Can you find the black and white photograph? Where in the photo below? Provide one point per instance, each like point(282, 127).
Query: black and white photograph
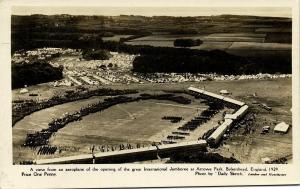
point(158, 85)
point(141, 94)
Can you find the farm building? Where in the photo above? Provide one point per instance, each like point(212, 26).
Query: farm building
point(281, 127)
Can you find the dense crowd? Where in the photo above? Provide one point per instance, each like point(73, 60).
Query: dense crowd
point(173, 119)
point(26, 162)
point(202, 118)
point(180, 133)
point(42, 137)
point(175, 137)
point(28, 107)
point(191, 125)
point(198, 77)
point(119, 147)
point(47, 150)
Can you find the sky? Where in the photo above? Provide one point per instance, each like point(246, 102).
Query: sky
point(154, 11)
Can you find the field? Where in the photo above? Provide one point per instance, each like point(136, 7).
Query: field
point(236, 43)
point(155, 43)
point(211, 45)
point(260, 46)
point(233, 39)
point(156, 31)
point(134, 123)
point(168, 37)
point(137, 122)
point(140, 122)
point(262, 38)
point(115, 37)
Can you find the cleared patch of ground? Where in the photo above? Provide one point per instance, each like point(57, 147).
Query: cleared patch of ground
point(260, 46)
point(111, 125)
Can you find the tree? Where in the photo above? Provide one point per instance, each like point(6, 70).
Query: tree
point(100, 54)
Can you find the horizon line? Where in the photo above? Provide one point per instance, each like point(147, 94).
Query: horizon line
point(283, 12)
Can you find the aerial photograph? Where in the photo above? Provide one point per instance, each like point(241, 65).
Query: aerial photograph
point(158, 85)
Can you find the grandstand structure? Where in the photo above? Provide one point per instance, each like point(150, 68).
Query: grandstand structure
point(129, 155)
point(230, 119)
point(164, 150)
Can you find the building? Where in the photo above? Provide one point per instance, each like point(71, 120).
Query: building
point(282, 127)
point(224, 92)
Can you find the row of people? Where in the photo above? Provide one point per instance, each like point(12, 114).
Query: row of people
point(47, 150)
point(200, 119)
point(173, 119)
point(22, 109)
point(42, 137)
point(109, 148)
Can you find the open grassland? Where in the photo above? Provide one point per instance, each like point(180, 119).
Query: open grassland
point(164, 43)
point(211, 45)
point(115, 37)
point(140, 122)
point(168, 37)
point(273, 30)
point(137, 122)
point(261, 53)
point(254, 146)
point(224, 41)
point(260, 46)
point(134, 123)
point(234, 39)
point(255, 35)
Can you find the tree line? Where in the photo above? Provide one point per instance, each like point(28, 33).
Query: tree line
point(169, 59)
point(215, 62)
point(34, 73)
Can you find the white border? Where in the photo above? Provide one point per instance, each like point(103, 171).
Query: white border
point(10, 175)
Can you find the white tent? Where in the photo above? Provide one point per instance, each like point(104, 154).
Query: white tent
point(23, 91)
point(265, 160)
point(281, 127)
point(224, 92)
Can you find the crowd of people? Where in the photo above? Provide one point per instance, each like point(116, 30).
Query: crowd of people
point(175, 137)
point(26, 162)
point(28, 107)
point(167, 96)
point(173, 119)
point(202, 118)
point(47, 150)
point(119, 147)
point(42, 137)
point(180, 133)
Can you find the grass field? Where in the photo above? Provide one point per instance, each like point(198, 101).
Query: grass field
point(164, 43)
point(234, 39)
point(140, 122)
point(136, 122)
point(223, 41)
point(168, 37)
point(39, 120)
point(255, 35)
point(271, 30)
point(115, 37)
point(210, 45)
point(260, 46)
